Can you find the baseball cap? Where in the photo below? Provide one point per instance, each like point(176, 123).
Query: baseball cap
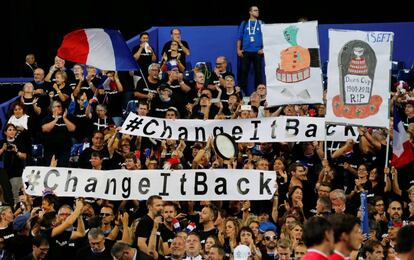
point(241, 252)
point(266, 226)
point(20, 221)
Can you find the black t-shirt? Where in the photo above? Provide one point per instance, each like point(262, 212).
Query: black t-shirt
point(67, 90)
point(85, 156)
point(101, 124)
point(87, 254)
point(65, 245)
point(167, 235)
point(144, 60)
point(144, 229)
point(144, 89)
point(167, 46)
point(59, 137)
point(205, 234)
point(20, 246)
point(12, 163)
point(114, 103)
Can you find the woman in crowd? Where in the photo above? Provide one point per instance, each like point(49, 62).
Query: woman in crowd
point(14, 154)
point(57, 128)
point(229, 237)
point(173, 56)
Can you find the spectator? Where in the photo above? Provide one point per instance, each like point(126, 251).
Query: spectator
point(113, 89)
point(193, 247)
point(299, 251)
point(270, 245)
point(40, 248)
point(250, 48)
point(338, 200)
point(100, 119)
point(14, 154)
point(323, 207)
point(86, 85)
point(61, 90)
point(178, 248)
point(146, 88)
point(121, 250)
point(229, 239)
point(246, 237)
point(147, 230)
point(172, 57)
point(144, 54)
point(59, 65)
point(208, 216)
point(220, 73)
point(318, 236)
point(211, 241)
point(284, 249)
point(183, 47)
point(395, 211)
point(216, 253)
point(98, 248)
point(57, 128)
point(29, 67)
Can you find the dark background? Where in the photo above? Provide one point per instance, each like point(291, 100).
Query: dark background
point(39, 26)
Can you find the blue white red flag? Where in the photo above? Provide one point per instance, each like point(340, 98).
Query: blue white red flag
point(402, 151)
point(104, 49)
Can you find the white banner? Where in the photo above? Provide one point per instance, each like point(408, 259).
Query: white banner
point(359, 78)
point(293, 73)
point(141, 184)
point(268, 129)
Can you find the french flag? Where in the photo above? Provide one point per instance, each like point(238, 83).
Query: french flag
point(104, 49)
point(402, 152)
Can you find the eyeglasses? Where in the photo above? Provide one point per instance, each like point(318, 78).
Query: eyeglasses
point(269, 238)
point(219, 63)
point(105, 214)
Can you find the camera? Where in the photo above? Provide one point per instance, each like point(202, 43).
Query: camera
point(9, 147)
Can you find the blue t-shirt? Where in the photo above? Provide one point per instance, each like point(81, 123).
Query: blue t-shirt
point(250, 33)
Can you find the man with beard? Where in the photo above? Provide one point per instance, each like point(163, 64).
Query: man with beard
point(347, 234)
point(167, 228)
point(208, 216)
point(270, 243)
point(395, 211)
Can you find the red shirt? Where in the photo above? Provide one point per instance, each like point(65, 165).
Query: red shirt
point(337, 256)
point(313, 254)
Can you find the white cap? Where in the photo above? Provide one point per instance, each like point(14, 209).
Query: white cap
point(241, 252)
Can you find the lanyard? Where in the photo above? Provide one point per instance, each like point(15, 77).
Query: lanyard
point(254, 28)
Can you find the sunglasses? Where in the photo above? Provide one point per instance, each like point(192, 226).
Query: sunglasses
point(269, 238)
point(105, 214)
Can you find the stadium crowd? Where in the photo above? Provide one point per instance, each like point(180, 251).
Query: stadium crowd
point(70, 117)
